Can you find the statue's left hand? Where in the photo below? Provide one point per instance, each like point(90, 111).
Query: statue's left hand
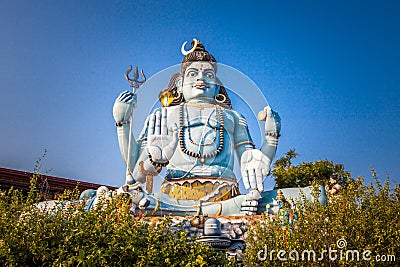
point(161, 141)
point(272, 121)
point(124, 105)
point(250, 204)
point(254, 165)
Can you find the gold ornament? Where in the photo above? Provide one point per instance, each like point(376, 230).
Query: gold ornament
point(218, 96)
point(165, 97)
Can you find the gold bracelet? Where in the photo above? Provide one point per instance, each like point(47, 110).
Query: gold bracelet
point(245, 143)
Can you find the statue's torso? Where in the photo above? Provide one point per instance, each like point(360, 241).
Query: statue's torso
point(201, 127)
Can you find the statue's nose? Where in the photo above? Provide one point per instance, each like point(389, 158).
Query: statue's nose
point(201, 76)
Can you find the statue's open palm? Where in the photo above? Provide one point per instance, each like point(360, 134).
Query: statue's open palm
point(161, 141)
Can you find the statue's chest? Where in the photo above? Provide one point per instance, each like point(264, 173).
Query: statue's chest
point(195, 117)
point(201, 126)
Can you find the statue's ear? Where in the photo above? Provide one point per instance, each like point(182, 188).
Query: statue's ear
point(179, 83)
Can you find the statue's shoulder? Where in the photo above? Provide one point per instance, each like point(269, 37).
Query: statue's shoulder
point(233, 113)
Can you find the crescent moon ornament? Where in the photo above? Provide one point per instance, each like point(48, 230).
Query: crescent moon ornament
point(196, 42)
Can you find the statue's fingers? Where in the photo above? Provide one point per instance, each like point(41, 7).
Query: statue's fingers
point(245, 177)
point(157, 129)
point(121, 95)
point(126, 96)
point(268, 110)
point(164, 129)
point(251, 203)
point(252, 179)
point(246, 212)
point(152, 121)
point(127, 99)
point(248, 208)
point(259, 179)
point(173, 129)
point(174, 140)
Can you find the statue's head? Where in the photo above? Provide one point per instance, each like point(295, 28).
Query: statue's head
point(197, 80)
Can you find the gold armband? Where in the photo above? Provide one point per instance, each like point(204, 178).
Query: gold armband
point(245, 143)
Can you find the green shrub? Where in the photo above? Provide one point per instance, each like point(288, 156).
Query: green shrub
point(306, 173)
point(103, 237)
point(366, 217)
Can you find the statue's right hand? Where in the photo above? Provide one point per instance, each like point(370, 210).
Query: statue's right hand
point(161, 141)
point(123, 106)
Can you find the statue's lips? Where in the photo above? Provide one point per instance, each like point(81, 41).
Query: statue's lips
point(200, 86)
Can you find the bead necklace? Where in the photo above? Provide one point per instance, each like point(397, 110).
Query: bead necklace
point(202, 157)
point(204, 144)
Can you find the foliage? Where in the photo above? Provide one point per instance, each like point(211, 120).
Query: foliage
point(365, 216)
point(102, 237)
point(306, 173)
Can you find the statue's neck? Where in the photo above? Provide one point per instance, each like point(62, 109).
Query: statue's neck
point(201, 101)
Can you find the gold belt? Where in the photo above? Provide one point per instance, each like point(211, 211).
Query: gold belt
point(201, 188)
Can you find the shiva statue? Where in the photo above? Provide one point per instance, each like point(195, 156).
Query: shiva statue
point(195, 135)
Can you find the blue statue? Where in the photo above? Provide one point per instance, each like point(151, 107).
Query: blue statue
point(195, 135)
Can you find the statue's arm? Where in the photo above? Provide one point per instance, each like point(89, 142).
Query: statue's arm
point(128, 147)
point(254, 163)
point(123, 107)
point(132, 151)
point(242, 137)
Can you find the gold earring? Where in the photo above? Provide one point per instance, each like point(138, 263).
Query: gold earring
point(219, 96)
point(178, 95)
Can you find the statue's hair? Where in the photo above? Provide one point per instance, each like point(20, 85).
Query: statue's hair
point(198, 54)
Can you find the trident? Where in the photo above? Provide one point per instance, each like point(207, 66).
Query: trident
point(134, 82)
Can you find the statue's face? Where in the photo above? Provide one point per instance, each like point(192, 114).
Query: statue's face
point(200, 82)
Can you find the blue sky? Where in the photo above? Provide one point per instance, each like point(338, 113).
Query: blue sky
point(330, 68)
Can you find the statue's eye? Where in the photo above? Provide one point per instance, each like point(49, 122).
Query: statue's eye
point(210, 75)
point(192, 73)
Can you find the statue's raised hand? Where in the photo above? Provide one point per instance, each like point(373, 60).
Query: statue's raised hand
point(161, 141)
point(123, 106)
point(272, 121)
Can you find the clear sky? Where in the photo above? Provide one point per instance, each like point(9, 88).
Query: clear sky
point(330, 68)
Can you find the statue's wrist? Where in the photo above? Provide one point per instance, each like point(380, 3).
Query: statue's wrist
point(148, 169)
point(122, 123)
point(273, 134)
point(158, 164)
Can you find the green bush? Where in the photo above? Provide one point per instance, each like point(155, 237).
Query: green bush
point(103, 237)
point(364, 217)
point(306, 173)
